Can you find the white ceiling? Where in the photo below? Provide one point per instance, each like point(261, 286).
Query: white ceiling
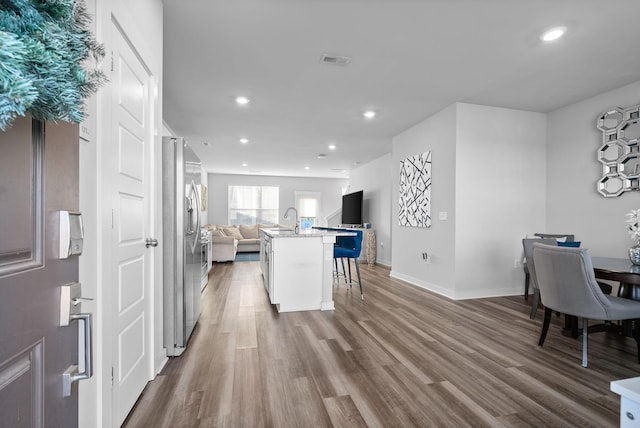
point(411, 58)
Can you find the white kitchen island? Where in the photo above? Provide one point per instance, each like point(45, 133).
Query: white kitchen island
point(298, 268)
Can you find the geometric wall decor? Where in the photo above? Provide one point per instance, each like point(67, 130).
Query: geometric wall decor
point(415, 191)
point(620, 151)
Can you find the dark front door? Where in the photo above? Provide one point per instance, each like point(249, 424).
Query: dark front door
point(38, 178)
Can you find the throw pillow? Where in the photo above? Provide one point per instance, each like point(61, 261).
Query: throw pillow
point(232, 231)
point(249, 231)
point(217, 232)
point(575, 244)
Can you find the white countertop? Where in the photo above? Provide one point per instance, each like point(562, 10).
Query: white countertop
point(629, 388)
point(308, 233)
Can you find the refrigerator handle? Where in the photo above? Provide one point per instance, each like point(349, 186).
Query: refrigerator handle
point(194, 211)
point(198, 213)
point(189, 210)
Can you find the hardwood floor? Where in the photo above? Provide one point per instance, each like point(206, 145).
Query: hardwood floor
point(404, 357)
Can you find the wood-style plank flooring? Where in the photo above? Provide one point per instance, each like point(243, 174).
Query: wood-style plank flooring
point(405, 357)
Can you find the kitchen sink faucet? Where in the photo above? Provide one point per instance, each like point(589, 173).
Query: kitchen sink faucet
point(286, 216)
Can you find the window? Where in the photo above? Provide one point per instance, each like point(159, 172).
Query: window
point(253, 204)
point(308, 206)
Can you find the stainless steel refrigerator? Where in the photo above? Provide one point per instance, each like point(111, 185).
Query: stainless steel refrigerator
point(181, 234)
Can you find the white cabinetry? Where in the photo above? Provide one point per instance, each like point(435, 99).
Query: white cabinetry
point(295, 273)
point(629, 390)
point(297, 269)
point(265, 256)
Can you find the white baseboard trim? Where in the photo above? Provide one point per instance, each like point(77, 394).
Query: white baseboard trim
point(385, 263)
point(422, 284)
point(453, 295)
point(488, 292)
point(160, 365)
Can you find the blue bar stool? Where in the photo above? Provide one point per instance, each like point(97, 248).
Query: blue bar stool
point(349, 247)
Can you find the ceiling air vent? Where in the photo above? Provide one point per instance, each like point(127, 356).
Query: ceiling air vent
point(335, 59)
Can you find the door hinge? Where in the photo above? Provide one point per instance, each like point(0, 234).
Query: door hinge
point(112, 61)
point(111, 376)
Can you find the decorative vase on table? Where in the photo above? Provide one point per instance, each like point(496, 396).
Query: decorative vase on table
point(634, 254)
point(633, 226)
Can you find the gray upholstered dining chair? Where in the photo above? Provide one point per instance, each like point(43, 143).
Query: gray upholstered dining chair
point(566, 236)
point(527, 276)
point(527, 245)
point(567, 284)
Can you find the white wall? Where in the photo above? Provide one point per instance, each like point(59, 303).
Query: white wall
point(374, 179)
point(218, 193)
point(438, 135)
point(488, 176)
point(573, 203)
point(500, 196)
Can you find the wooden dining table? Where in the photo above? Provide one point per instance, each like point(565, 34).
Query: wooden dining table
point(620, 270)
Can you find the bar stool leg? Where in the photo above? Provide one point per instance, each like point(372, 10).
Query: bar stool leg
point(344, 272)
point(359, 280)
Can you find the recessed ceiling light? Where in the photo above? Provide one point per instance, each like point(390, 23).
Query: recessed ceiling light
point(553, 34)
point(205, 143)
point(244, 140)
point(322, 156)
point(245, 164)
point(242, 100)
point(369, 114)
point(332, 146)
point(307, 168)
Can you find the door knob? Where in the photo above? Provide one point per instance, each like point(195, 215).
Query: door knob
point(150, 242)
point(77, 300)
point(70, 302)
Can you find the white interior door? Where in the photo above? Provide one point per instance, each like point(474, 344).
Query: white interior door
point(131, 258)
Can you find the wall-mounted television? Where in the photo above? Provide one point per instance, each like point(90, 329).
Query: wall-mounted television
point(352, 209)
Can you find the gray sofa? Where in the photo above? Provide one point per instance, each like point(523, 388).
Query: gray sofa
point(227, 240)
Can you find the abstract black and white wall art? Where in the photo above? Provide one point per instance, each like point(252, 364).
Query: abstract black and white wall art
point(415, 191)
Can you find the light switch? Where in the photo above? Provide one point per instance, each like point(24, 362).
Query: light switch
point(442, 215)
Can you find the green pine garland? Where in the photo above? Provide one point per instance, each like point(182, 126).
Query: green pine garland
point(43, 46)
